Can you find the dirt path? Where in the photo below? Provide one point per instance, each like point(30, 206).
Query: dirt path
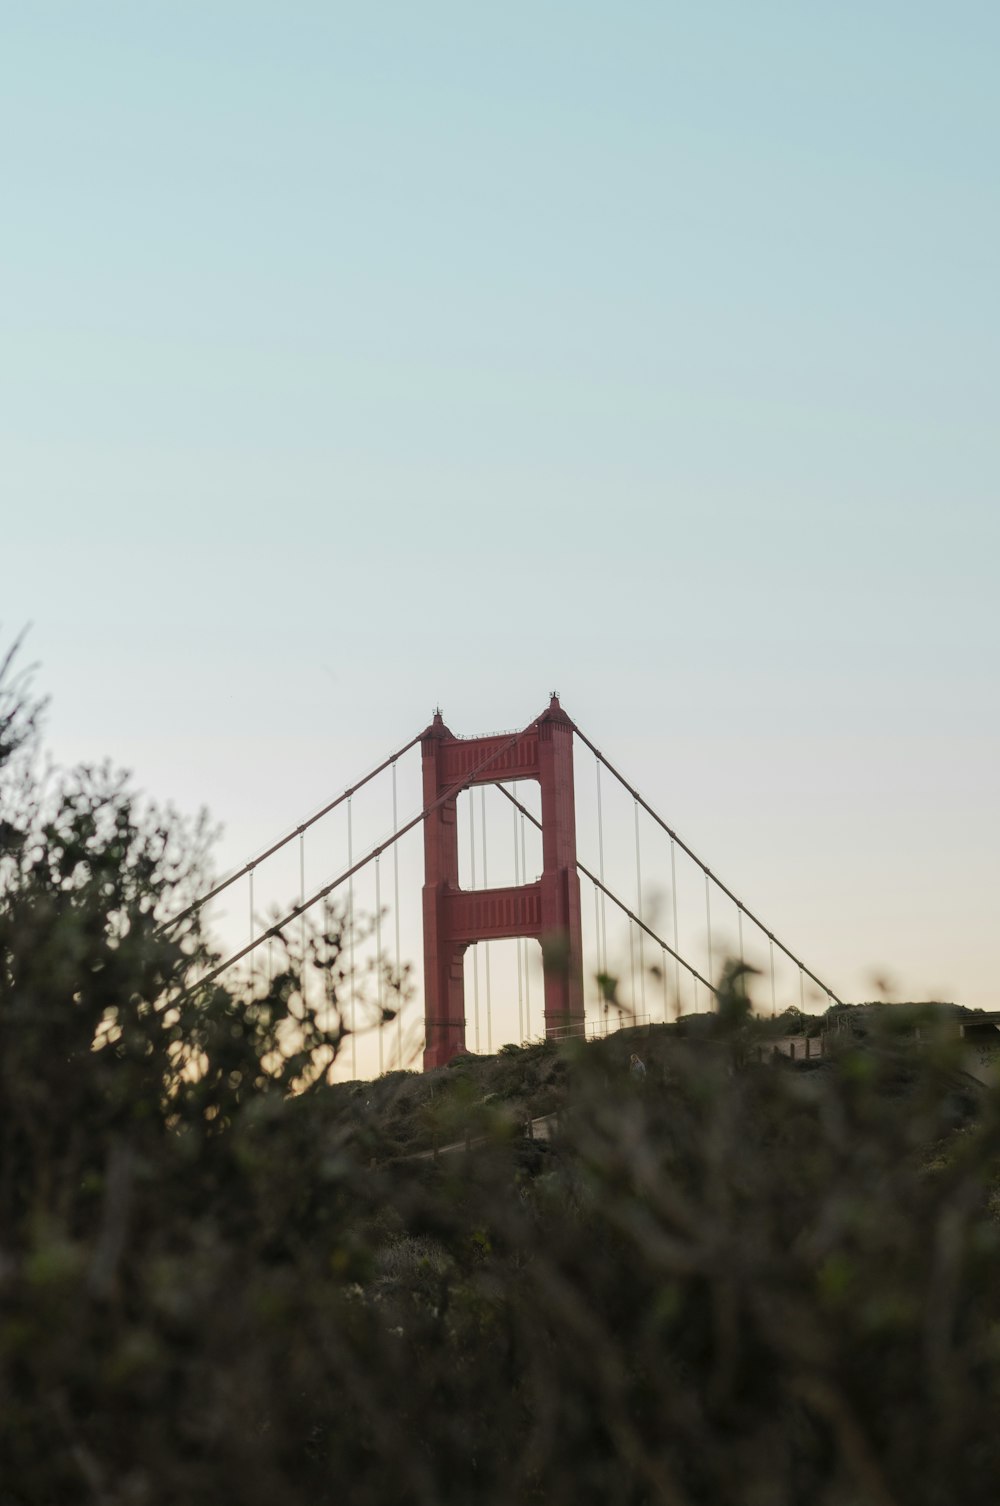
point(542, 1128)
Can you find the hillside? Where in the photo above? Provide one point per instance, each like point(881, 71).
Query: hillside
point(404, 1113)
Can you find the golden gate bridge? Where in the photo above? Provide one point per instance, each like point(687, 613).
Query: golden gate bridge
point(465, 919)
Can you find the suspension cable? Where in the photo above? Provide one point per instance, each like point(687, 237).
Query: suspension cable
point(703, 866)
point(378, 962)
point(602, 933)
point(772, 978)
point(743, 973)
point(475, 948)
point(696, 976)
point(350, 942)
point(395, 902)
point(524, 942)
point(348, 875)
point(486, 949)
point(449, 794)
point(302, 892)
point(251, 928)
point(708, 923)
point(582, 868)
point(517, 943)
point(297, 831)
point(599, 972)
point(673, 896)
point(638, 906)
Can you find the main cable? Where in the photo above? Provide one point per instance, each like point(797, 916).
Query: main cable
point(295, 832)
point(703, 866)
point(582, 868)
point(449, 794)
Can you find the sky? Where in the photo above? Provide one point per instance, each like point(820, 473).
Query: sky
point(359, 359)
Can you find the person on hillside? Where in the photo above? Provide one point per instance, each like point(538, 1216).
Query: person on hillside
point(637, 1068)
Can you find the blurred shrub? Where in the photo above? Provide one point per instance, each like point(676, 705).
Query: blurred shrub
point(223, 1281)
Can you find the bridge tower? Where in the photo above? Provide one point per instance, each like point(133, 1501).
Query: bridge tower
point(548, 910)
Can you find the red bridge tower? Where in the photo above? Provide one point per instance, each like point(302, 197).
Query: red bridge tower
point(548, 910)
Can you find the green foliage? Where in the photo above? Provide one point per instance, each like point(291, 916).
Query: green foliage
point(223, 1280)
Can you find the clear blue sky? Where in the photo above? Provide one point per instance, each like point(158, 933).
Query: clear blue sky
point(357, 358)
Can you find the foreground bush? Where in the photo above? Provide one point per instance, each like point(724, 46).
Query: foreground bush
point(223, 1281)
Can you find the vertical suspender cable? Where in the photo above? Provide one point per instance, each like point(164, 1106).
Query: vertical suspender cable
point(486, 885)
point(350, 943)
point(527, 975)
point(708, 922)
point(597, 932)
point(252, 954)
point(603, 934)
point(666, 1002)
point(302, 900)
point(395, 910)
point(638, 911)
point(517, 944)
point(270, 968)
point(301, 893)
point(329, 986)
point(472, 881)
point(771, 943)
point(673, 896)
point(743, 976)
point(802, 997)
point(378, 960)
point(660, 822)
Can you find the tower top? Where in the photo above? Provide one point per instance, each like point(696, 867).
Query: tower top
point(437, 726)
point(555, 713)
